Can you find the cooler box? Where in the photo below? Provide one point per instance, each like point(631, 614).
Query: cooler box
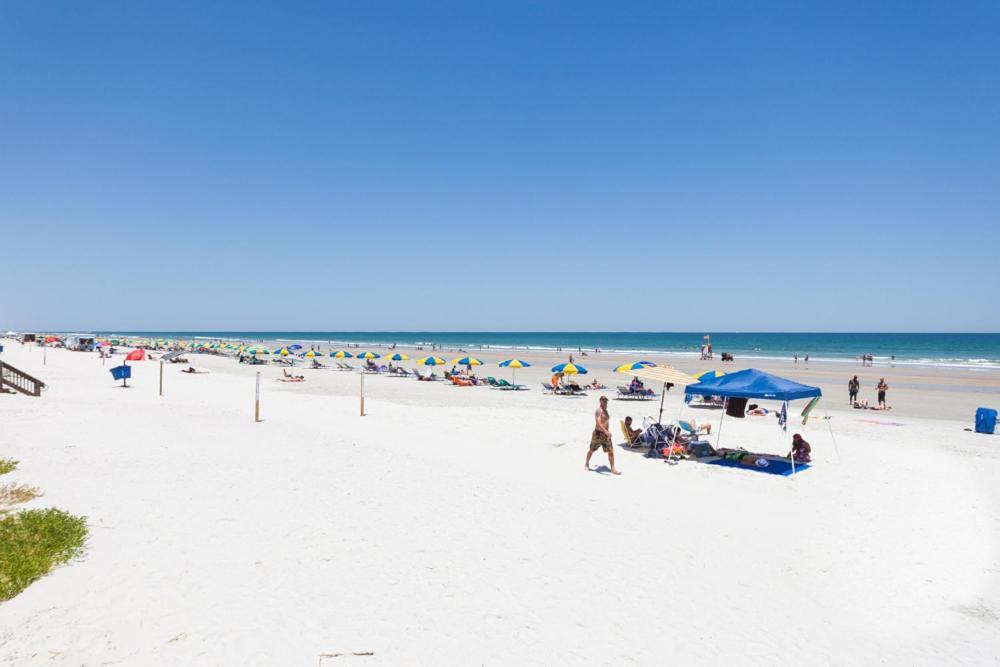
point(986, 420)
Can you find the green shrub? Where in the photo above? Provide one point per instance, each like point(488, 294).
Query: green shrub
point(33, 542)
point(6, 465)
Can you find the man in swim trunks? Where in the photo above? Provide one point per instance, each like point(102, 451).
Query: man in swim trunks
point(601, 437)
point(852, 390)
point(882, 388)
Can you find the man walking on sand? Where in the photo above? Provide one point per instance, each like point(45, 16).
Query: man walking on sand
point(602, 435)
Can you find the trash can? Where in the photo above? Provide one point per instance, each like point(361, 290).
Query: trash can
point(986, 420)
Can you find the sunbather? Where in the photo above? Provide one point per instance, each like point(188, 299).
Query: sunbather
point(290, 377)
point(743, 457)
point(695, 428)
point(631, 433)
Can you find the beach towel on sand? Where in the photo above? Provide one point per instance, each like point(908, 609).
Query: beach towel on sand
point(774, 466)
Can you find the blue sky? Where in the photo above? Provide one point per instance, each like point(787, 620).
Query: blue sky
point(500, 166)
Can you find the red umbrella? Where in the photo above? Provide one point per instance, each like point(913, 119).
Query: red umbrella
point(103, 343)
point(51, 339)
point(136, 355)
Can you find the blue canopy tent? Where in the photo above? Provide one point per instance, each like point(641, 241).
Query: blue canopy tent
point(753, 383)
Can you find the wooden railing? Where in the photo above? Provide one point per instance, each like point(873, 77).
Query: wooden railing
point(19, 380)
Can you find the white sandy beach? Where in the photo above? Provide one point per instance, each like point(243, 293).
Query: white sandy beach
point(458, 525)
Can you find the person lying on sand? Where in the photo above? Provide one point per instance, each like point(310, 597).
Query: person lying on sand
point(801, 451)
point(743, 457)
point(290, 377)
point(191, 369)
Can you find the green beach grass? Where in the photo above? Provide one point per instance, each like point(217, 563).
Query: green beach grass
point(7, 465)
point(32, 542)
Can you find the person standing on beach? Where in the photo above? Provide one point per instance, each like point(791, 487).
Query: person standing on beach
point(881, 388)
point(796, 358)
point(601, 437)
point(853, 386)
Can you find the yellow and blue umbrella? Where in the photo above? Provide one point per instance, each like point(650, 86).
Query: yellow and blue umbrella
point(398, 357)
point(467, 361)
point(367, 355)
point(312, 354)
point(708, 375)
point(513, 365)
point(569, 369)
point(341, 354)
point(634, 366)
point(257, 349)
point(283, 351)
point(431, 361)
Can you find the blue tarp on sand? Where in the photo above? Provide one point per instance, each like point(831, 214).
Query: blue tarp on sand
point(753, 383)
point(781, 467)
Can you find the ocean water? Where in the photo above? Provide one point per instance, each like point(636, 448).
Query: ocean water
point(969, 350)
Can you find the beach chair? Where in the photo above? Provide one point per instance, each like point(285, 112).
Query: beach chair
point(628, 439)
point(547, 388)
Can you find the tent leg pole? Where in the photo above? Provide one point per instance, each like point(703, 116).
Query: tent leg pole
point(832, 437)
point(718, 434)
point(663, 397)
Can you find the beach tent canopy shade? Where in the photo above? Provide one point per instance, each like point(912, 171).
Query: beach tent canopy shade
point(753, 383)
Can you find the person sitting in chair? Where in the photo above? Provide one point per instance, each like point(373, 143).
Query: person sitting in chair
point(633, 434)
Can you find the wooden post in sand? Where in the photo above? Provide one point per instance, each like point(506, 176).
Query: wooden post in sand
point(256, 402)
point(45, 356)
point(161, 378)
point(362, 392)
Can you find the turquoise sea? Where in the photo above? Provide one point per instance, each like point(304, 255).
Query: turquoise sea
point(972, 350)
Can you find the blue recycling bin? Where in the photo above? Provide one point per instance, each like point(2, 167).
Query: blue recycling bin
point(986, 420)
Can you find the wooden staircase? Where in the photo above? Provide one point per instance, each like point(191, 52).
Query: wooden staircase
point(19, 380)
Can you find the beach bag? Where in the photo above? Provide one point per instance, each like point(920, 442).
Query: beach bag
point(736, 407)
point(986, 420)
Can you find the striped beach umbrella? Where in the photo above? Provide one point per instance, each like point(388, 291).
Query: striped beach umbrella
point(708, 375)
point(513, 365)
point(467, 361)
point(431, 361)
point(398, 357)
point(634, 366)
point(341, 354)
point(311, 354)
point(283, 351)
point(569, 369)
point(368, 355)
point(257, 349)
